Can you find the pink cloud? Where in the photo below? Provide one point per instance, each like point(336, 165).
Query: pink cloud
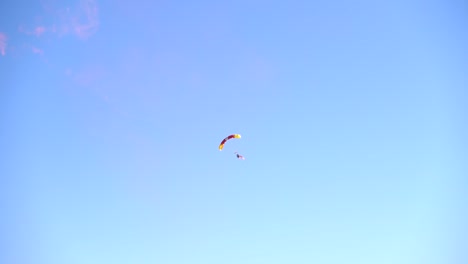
point(81, 21)
point(3, 43)
point(86, 76)
point(89, 25)
point(37, 51)
point(38, 31)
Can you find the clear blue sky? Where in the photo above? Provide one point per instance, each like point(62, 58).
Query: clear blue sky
point(352, 113)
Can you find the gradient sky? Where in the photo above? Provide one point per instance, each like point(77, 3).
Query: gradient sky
point(352, 115)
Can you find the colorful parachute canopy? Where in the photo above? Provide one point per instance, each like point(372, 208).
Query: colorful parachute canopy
point(221, 146)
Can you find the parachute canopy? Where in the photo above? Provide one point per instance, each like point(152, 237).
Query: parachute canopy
point(221, 146)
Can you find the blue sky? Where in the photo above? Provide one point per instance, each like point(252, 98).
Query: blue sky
point(352, 116)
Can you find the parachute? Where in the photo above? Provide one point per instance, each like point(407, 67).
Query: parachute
point(221, 146)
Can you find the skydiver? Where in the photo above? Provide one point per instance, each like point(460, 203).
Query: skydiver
point(239, 156)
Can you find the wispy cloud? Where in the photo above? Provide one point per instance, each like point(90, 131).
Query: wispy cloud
point(39, 30)
point(37, 51)
point(87, 22)
point(81, 20)
point(3, 43)
point(86, 76)
point(36, 31)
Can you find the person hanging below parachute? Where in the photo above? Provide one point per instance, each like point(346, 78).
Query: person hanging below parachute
point(221, 146)
point(239, 156)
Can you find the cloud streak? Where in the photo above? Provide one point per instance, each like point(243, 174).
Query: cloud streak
point(81, 21)
point(3, 44)
point(90, 23)
point(36, 50)
point(39, 30)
